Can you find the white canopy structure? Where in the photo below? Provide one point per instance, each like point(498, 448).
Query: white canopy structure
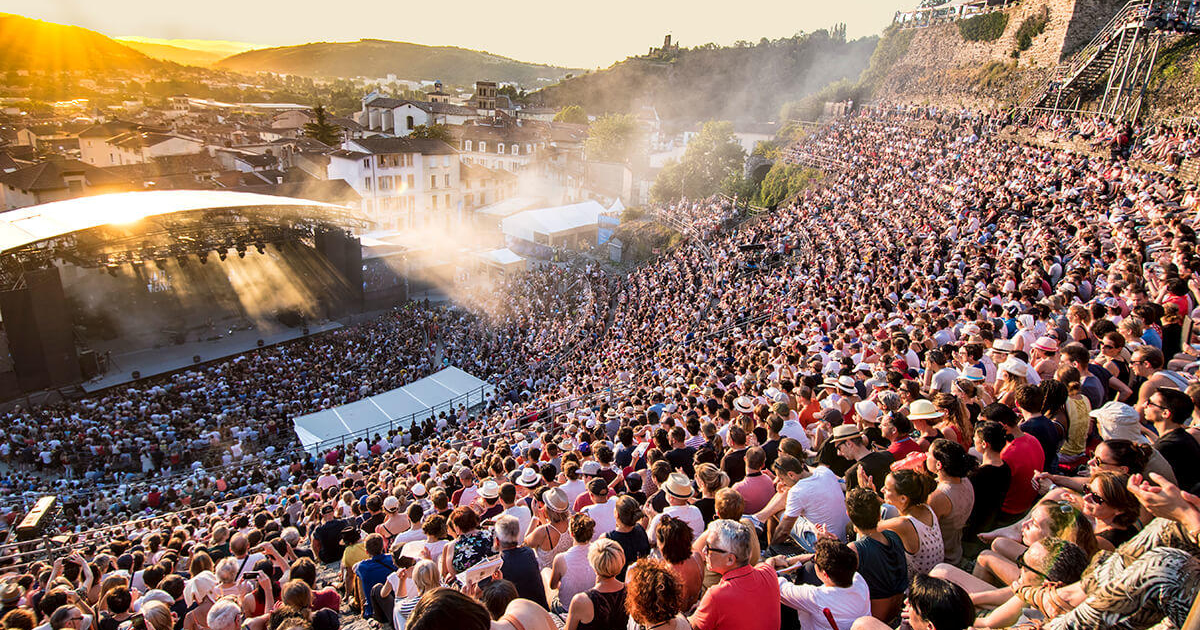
point(551, 222)
point(25, 226)
point(397, 408)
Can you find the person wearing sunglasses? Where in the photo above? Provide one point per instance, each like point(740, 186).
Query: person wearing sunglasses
point(747, 596)
point(1046, 563)
point(1112, 508)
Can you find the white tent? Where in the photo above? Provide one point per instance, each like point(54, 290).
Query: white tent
point(616, 209)
point(552, 221)
point(392, 409)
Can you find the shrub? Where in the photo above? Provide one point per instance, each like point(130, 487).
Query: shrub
point(983, 28)
point(1031, 27)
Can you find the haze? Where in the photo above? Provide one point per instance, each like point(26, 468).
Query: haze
point(586, 35)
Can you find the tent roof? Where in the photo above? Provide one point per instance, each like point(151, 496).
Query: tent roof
point(26, 226)
point(503, 256)
point(552, 220)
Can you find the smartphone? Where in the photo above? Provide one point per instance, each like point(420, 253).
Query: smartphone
point(250, 576)
point(403, 562)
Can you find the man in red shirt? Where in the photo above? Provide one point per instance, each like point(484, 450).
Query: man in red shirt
point(746, 598)
point(898, 429)
point(1024, 455)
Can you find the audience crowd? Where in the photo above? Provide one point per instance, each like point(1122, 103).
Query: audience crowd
point(950, 386)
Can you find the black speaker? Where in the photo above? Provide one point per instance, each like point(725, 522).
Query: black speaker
point(40, 337)
point(352, 265)
point(89, 364)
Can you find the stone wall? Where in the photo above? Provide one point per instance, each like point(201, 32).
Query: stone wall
point(941, 67)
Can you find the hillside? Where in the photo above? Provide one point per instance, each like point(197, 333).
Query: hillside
point(36, 45)
point(176, 54)
point(748, 82)
point(377, 58)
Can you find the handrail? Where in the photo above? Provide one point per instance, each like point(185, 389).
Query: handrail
point(1068, 70)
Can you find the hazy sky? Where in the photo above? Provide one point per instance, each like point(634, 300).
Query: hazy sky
point(594, 34)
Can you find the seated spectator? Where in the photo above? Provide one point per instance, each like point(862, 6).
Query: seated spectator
point(932, 603)
point(843, 594)
point(747, 596)
point(654, 596)
point(520, 564)
point(601, 607)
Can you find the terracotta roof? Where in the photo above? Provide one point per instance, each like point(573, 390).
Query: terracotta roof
point(49, 176)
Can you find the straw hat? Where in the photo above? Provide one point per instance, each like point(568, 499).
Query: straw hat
point(924, 410)
point(679, 486)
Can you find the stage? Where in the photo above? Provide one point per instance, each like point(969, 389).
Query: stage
point(154, 361)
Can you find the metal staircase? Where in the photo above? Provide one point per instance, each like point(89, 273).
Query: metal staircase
point(1118, 60)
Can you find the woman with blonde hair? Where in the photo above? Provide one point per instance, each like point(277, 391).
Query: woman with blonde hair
point(601, 607)
point(158, 616)
point(710, 479)
point(425, 577)
point(1080, 320)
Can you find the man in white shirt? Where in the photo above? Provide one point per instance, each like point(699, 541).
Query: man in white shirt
point(508, 498)
point(679, 489)
point(814, 498)
point(843, 591)
point(327, 478)
point(603, 508)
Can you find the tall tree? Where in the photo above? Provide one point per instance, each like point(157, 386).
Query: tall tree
point(712, 162)
point(571, 114)
point(615, 138)
point(432, 132)
point(321, 130)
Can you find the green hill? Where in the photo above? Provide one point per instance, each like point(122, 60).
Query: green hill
point(177, 54)
point(741, 82)
point(36, 45)
point(377, 58)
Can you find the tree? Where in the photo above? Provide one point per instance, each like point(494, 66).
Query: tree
point(516, 95)
point(711, 163)
point(432, 132)
point(571, 114)
point(614, 138)
point(321, 130)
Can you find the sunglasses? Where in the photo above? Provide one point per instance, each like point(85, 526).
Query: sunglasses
point(1024, 565)
point(711, 549)
point(1096, 461)
point(1094, 498)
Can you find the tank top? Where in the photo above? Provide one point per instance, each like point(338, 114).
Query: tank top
point(545, 558)
point(578, 576)
point(608, 611)
point(930, 552)
point(962, 501)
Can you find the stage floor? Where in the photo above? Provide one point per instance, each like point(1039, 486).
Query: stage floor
point(154, 361)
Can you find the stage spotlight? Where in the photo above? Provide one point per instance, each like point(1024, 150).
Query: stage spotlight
point(203, 256)
point(260, 247)
point(222, 254)
point(241, 253)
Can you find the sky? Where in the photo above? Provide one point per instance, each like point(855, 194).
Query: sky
point(574, 34)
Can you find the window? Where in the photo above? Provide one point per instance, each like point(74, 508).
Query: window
point(447, 201)
point(466, 145)
point(516, 149)
point(408, 159)
point(470, 200)
point(380, 161)
point(385, 183)
point(433, 181)
point(482, 146)
point(367, 163)
point(411, 182)
point(367, 183)
point(433, 198)
point(410, 122)
point(74, 185)
point(446, 180)
point(528, 148)
point(446, 161)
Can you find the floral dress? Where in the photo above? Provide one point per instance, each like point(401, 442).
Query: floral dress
point(470, 549)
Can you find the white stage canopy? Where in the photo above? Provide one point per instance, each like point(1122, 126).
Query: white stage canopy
point(396, 408)
point(551, 221)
